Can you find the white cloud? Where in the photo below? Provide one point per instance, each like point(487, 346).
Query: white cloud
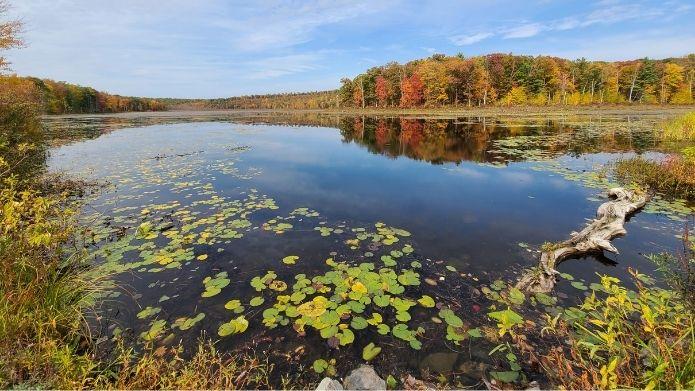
point(462, 40)
point(524, 31)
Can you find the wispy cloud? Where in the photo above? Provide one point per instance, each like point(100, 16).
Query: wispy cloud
point(606, 13)
point(462, 40)
point(524, 31)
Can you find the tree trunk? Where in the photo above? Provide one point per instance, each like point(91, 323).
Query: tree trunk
point(632, 86)
point(594, 238)
point(362, 87)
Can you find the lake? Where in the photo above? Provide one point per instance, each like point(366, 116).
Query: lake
point(252, 216)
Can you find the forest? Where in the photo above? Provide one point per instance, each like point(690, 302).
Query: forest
point(436, 81)
point(57, 97)
point(493, 79)
point(507, 79)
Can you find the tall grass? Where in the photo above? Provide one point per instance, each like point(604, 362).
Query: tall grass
point(674, 176)
point(681, 128)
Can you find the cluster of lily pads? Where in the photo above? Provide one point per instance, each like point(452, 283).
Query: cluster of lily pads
point(351, 296)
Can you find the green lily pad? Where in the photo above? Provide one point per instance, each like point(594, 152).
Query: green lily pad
point(234, 326)
point(290, 259)
point(370, 351)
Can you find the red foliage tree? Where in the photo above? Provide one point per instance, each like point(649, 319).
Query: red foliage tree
point(382, 91)
point(411, 91)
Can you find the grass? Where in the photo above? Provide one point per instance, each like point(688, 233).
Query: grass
point(45, 290)
point(681, 128)
point(674, 176)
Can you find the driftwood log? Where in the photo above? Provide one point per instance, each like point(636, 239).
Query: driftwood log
point(594, 238)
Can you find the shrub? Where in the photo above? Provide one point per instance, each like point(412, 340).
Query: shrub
point(620, 338)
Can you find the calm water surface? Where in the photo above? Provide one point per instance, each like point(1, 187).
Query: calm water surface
point(468, 200)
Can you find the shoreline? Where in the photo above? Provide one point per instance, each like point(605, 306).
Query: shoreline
point(501, 111)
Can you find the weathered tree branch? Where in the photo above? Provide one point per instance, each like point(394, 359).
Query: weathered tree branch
point(595, 237)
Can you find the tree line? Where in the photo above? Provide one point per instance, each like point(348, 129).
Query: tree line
point(58, 97)
point(507, 79)
point(290, 101)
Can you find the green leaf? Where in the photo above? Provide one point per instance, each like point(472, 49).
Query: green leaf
point(391, 382)
point(506, 319)
point(516, 296)
point(320, 365)
point(426, 301)
point(382, 300)
point(383, 329)
point(329, 331)
point(450, 318)
point(358, 323)
point(256, 301)
point(290, 259)
point(148, 311)
point(506, 376)
point(234, 326)
point(403, 316)
point(346, 337)
point(370, 351)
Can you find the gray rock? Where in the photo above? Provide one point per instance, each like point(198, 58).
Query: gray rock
point(364, 378)
point(328, 384)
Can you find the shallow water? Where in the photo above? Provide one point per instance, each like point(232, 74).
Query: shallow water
point(478, 194)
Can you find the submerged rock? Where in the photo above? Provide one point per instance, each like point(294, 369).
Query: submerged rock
point(441, 362)
point(328, 384)
point(411, 383)
point(364, 378)
point(474, 370)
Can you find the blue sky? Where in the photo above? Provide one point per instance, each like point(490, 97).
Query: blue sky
point(217, 48)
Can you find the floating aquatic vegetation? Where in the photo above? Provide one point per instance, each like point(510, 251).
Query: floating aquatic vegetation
point(157, 327)
point(148, 312)
point(213, 286)
point(234, 326)
point(370, 351)
point(186, 323)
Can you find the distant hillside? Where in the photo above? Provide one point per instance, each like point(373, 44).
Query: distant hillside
point(297, 101)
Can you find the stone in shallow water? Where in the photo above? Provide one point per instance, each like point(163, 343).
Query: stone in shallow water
point(328, 384)
point(430, 281)
point(442, 362)
point(473, 369)
point(364, 378)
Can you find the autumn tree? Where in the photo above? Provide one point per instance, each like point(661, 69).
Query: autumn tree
point(382, 91)
point(435, 79)
point(411, 91)
point(9, 34)
point(672, 78)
